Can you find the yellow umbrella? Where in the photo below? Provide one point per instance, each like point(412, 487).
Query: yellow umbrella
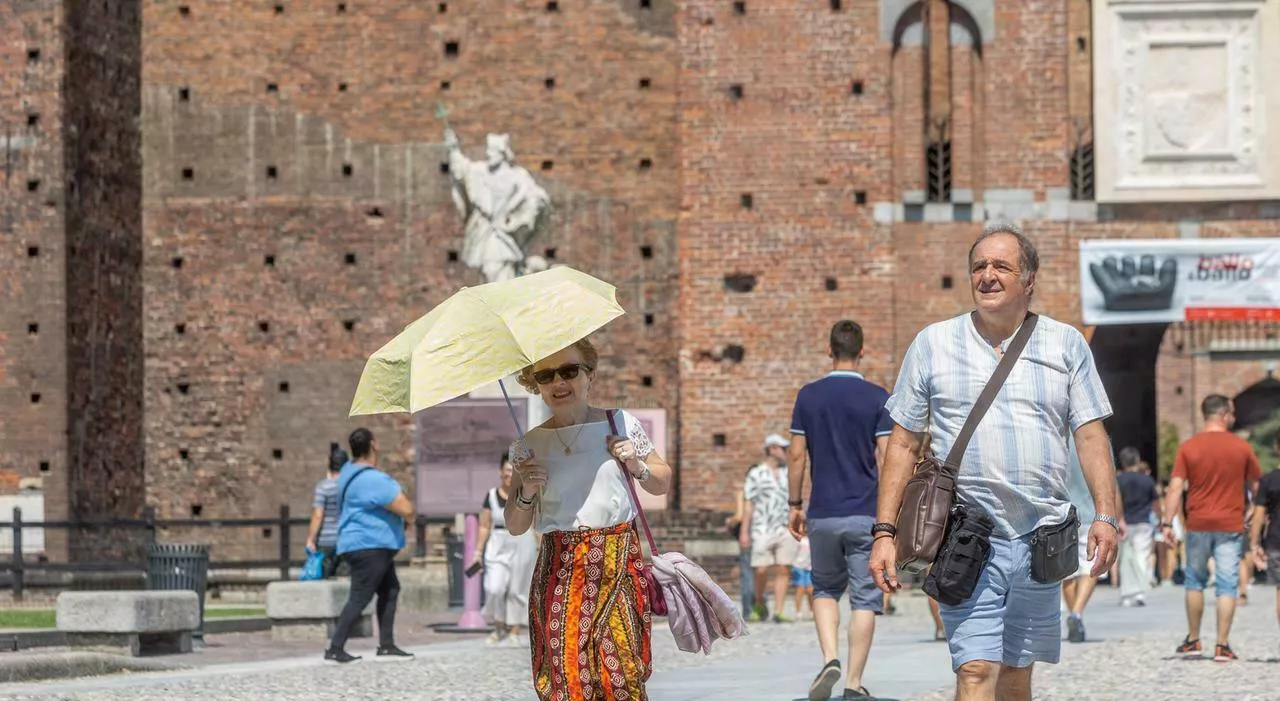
point(481, 335)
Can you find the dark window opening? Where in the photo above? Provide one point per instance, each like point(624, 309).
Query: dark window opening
point(442, 8)
point(347, 170)
point(184, 94)
point(646, 252)
point(264, 326)
point(271, 172)
point(938, 171)
point(273, 88)
point(176, 262)
point(451, 49)
point(835, 5)
point(35, 398)
point(444, 168)
point(33, 329)
point(197, 510)
point(648, 320)
point(284, 387)
point(832, 284)
point(342, 7)
point(342, 87)
point(1082, 44)
point(549, 83)
point(645, 83)
point(269, 261)
point(33, 251)
point(184, 11)
point(859, 197)
point(746, 200)
point(857, 87)
point(548, 165)
point(266, 533)
point(184, 454)
point(44, 465)
point(1082, 172)
point(646, 4)
point(734, 353)
point(445, 85)
point(351, 259)
point(452, 256)
point(718, 440)
point(646, 163)
point(740, 282)
point(188, 174)
point(279, 9)
point(947, 282)
point(647, 381)
point(349, 325)
point(549, 254)
point(33, 55)
point(740, 8)
point(736, 91)
point(277, 454)
point(553, 6)
point(184, 388)
point(373, 213)
point(33, 120)
point(33, 186)
point(180, 329)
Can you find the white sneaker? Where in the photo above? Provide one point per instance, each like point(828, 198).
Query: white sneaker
point(495, 638)
point(515, 641)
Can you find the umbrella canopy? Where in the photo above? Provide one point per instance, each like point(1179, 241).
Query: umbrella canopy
point(481, 335)
point(1257, 403)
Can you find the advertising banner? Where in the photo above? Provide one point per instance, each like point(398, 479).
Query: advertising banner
point(1145, 281)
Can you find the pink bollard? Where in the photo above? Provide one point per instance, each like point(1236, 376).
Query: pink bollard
point(471, 618)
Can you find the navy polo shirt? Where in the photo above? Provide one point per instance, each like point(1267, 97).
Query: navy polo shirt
point(840, 417)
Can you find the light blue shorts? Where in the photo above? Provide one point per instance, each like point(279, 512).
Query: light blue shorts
point(840, 552)
point(1010, 618)
point(1224, 548)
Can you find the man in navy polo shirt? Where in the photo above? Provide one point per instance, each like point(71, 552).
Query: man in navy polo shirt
point(840, 430)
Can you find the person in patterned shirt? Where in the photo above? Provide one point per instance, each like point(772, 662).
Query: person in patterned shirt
point(764, 526)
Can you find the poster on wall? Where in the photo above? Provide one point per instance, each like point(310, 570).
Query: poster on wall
point(1146, 281)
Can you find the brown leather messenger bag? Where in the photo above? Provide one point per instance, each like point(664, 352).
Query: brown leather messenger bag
point(931, 491)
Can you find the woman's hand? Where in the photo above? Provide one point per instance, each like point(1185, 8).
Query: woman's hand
point(533, 477)
point(622, 449)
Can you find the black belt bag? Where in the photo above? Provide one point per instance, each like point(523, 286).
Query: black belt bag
point(1055, 550)
point(962, 557)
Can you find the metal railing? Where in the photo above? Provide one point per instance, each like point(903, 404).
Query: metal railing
point(120, 545)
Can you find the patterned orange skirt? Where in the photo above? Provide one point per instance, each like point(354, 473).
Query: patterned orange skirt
point(589, 619)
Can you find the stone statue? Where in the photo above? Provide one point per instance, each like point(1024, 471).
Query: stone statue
point(504, 209)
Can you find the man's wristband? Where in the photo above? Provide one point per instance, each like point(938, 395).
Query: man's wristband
point(886, 528)
point(1109, 520)
point(796, 503)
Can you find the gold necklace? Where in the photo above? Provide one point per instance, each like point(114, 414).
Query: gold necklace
point(568, 447)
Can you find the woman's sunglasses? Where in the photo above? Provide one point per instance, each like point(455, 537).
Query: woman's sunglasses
point(567, 372)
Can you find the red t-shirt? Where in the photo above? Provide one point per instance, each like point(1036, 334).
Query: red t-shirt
point(1217, 466)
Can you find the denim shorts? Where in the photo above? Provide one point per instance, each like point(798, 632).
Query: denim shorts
point(1224, 548)
point(840, 550)
point(1010, 619)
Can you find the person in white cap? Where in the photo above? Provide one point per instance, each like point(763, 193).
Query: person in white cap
point(764, 526)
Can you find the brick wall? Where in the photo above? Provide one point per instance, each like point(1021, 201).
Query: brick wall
point(33, 369)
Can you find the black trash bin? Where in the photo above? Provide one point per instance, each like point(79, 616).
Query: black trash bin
point(457, 575)
point(180, 568)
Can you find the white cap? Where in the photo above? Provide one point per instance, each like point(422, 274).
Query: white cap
point(774, 439)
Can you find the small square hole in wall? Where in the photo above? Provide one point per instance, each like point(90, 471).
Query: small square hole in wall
point(451, 49)
point(264, 326)
point(736, 91)
point(184, 454)
point(33, 186)
point(740, 8)
point(832, 284)
point(646, 252)
point(646, 4)
point(342, 7)
point(857, 87)
point(35, 398)
point(342, 87)
point(548, 165)
point(184, 11)
point(947, 282)
point(180, 329)
point(176, 262)
point(33, 251)
point(646, 163)
point(645, 83)
point(349, 325)
point(451, 256)
point(835, 5)
point(553, 6)
point(442, 8)
point(549, 83)
point(859, 197)
point(444, 168)
point(188, 173)
point(184, 94)
point(350, 259)
point(347, 170)
point(277, 454)
point(33, 55)
point(184, 388)
point(197, 510)
point(746, 200)
point(284, 388)
point(273, 88)
point(33, 329)
point(549, 254)
point(373, 213)
point(1178, 390)
point(269, 260)
point(647, 380)
point(445, 85)
point(1082, 44)
point(44, 465)
point(33, 120)
point(718, 440)
point(266, 533)
point(279, 9)
point(271, 172)
point(648, 320)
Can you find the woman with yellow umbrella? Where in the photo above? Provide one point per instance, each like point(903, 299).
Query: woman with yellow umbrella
point(589, 616)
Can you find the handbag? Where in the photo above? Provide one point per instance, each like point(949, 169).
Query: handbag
point(697, 609)
point(1055, 550)
point(963, 556)
point(930, 494)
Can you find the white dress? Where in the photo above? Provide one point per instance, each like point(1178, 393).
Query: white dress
point(508, 569)
point(585, 487)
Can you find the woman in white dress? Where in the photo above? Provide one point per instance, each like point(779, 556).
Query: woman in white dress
point(589, 615)
point(508, 565)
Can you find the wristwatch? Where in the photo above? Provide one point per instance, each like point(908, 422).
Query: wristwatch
point(796, 503)
point(644, 474)
point(1109, 520)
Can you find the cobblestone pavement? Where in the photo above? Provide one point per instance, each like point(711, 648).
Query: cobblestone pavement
point(1129, 657)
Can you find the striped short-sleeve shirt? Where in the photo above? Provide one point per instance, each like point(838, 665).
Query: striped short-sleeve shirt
point(1017, 465)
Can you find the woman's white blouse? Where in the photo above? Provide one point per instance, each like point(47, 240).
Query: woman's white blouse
point(586, 488)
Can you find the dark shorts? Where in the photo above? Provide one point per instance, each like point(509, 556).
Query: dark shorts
point(840, 549)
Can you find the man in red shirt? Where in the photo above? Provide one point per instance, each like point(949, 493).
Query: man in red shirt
point(1212, 466)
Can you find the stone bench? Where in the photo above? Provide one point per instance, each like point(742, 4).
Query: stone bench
point(142, 622)
point(310, 610)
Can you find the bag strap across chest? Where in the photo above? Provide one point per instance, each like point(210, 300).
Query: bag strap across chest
point(989, 392)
